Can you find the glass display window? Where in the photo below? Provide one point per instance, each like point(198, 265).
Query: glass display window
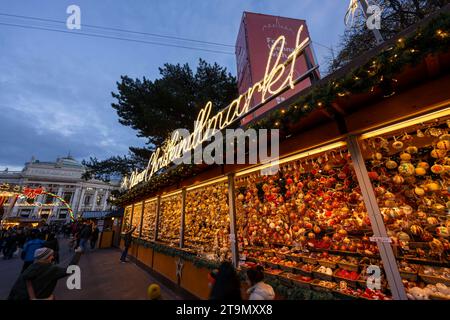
point(308, 222)
point(409, 168)
point(170, 219)
point(136, 219)
point(207, 222)
point(127, 217)
point(149, 220)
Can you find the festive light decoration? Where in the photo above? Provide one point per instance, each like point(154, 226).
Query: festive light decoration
point(72, 217)
point(426, 40)
point(278, 76)
point(32, 193)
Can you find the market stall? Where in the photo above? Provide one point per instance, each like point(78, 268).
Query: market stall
point(358, 207)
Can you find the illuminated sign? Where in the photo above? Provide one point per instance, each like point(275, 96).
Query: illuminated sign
point(277, 77)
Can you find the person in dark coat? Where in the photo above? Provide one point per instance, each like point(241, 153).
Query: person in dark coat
point(52, 243)
point(10, 245)
point(85, 234)
point(227, 285)
point(39, 280)
point(127, 243)
point(94, 237)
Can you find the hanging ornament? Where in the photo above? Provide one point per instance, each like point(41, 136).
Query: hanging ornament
point(444, 145)
point(412, 149)
point(406, 169)
point(391, 164)
point(420, 134)
point(397, 145)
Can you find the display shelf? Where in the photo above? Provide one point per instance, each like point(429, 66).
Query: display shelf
point(207, 222)
point(149, 220)
point(169, 221)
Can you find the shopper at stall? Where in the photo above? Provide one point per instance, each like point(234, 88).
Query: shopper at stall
point(29, 248)
point(94, 236)
point(259, 290)
point(227, 285)
point(40, 279)
point(127, 243)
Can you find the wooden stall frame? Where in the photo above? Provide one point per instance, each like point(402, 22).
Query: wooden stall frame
point(142, 219)
point(183, 213)
point(232, 213)
point(379, 229)
point(158, 206)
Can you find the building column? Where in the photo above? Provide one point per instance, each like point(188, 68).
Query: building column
point(74, 202)
point(56, 202)
point(105, 200)
point(81, 202)
point(94, 203)
point(39, 199)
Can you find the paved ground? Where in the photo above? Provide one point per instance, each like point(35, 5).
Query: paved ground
point(103, 277)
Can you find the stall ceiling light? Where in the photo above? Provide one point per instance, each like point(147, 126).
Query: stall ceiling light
point(294, 157)
point(207, 183)
point(408, 123)
point(171, 194)
point(151, 200)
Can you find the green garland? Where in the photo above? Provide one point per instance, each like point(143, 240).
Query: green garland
point(293, 292)
point(378, 73)
point(177, 252)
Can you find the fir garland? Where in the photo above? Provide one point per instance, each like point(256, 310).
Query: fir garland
point(177, 252)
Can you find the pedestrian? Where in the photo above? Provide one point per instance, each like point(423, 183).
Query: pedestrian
point(227, 285)
point(94, 237)
point(259, 290)
point(10, 245)
point(39, 280)
point(29, 248)
point(85, 234)
point(127, 243)
point(52, 243)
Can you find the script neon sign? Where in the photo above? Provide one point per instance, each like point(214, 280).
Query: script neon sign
point(277, 77)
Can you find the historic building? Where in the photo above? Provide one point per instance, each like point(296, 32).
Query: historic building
point(63, 178)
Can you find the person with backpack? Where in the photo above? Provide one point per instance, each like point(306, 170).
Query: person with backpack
point(29, 248)
point(39, 280)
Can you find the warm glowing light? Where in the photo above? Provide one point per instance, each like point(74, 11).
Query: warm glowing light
point(277, 77)
point(293, 157)
point(431, 116)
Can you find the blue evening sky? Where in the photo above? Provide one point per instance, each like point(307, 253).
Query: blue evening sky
point(55, 88)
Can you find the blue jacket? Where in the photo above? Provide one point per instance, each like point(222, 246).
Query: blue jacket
point(30, 247)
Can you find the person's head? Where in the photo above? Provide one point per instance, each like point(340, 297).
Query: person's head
point(33, 234)
point(227, 285)
point(212, 276)
point(44, 255)
point(153, 291)
point(255, 275)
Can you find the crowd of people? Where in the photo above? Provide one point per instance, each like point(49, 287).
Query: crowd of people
point(39, 250)
point(226, 286)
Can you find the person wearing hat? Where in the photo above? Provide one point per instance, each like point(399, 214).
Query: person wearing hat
point(30, 247)
point(39, 280)
point(154, 292)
